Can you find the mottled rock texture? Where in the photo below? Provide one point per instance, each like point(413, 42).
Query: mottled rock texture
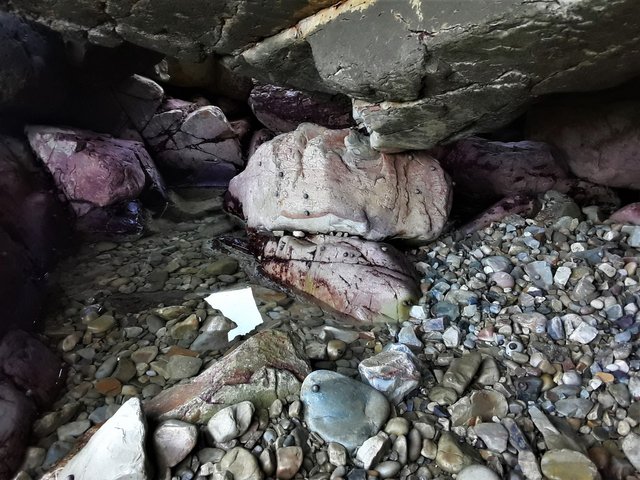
point(92, 170)
point(369, 281)
point(193, 144)
point(487, 170)
point(435, 71)
point(188, 29)
point(321, 180)
point(420, 72)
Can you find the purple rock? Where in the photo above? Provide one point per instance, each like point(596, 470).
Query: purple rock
point(629, 214)
point(282, 110)
point(518, 204)
point(320, 180)
point(91, 169)
point(482, 169)
point(31, 366)
point(369, 281)
point(599, 139)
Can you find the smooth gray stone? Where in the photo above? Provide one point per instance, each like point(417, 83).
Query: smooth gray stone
point(341, 409)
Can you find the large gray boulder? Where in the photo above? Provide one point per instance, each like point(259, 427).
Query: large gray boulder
point(436, 71)
point(188, 29)
point(323, 181)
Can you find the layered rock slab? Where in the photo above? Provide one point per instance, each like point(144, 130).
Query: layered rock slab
point(438, 71)
point(323, 181)
point(369, 281)
point(269, 358)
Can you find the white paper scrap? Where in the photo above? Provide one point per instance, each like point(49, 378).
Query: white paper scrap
point(238, 306)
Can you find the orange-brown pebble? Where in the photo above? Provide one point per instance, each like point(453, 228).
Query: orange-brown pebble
point(605, 377)
point(109, 386)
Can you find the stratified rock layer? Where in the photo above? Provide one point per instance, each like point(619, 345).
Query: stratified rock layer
point(321, 180)
point(369, 281)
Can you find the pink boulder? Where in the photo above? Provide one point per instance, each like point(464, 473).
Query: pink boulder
point(629, 214)
point(369, 281)
point(320, 180)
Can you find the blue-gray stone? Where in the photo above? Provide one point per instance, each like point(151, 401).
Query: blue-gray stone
point(341, 409)
point(446, 309)
point(56, 451)
point(540, 274)
point(407, 336)
point(498, 263)
point(555, 328)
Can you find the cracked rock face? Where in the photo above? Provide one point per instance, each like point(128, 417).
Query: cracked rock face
point(92, 170)
point(194, 144)
point(320, 180)
point(369, 281)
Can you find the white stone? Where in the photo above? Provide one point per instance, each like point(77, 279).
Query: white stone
point(116, 451)
point(231, 422)
point(372, 450)
point(584, 333)
point(477, 472)
point(451, 337)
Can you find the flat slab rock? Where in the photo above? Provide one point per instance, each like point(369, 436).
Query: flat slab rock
point(229, 380)
point(369, 281)
point(322, 181)
point(115, 451)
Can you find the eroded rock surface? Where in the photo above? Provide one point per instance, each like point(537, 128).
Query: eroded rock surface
point(436, 71)
point(320, 180)
point(369, 281)
point(482, 169)
point(283, 109)
point(193, 144)
point(189, 30)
